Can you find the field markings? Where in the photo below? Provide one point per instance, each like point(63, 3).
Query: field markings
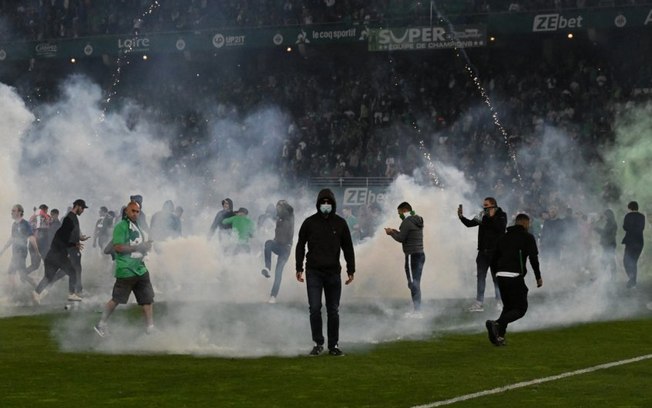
point(533, 382)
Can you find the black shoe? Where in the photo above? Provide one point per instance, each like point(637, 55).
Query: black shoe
point(492, 331)
point(265, 272)
point(335, 351)
point(316, 350)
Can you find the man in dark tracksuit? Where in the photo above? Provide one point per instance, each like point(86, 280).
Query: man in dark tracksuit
point(511, 254)
point(491, 226)
point(326, 233)
point(410, 234)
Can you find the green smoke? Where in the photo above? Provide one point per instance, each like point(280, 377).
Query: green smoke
point(630, 158)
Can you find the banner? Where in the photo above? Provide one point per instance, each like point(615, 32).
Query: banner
point(463, 32)
point(427, 38)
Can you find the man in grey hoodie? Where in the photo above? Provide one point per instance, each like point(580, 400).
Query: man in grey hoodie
point(410, 234)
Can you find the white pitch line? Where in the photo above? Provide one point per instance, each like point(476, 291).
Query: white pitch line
point(532, 382)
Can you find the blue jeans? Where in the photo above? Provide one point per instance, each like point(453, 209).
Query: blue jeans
point(283, 252)
point(483, 263)
point(413, 270)
point(331, 285)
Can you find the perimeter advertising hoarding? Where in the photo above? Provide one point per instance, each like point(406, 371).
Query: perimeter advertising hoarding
point(427, 38)
point(220, 40)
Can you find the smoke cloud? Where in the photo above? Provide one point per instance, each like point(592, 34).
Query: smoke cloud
point(211, 302)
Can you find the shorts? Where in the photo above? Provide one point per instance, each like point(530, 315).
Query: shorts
point(140, 285)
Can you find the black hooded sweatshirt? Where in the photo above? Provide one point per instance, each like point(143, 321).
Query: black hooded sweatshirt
point(513, 250)
point(325, 236)
point(220, 216)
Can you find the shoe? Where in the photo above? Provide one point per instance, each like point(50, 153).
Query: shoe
point(36, 298)
point(316, 350)
point(476, 307)
point(151, 329)
point(500, 341)
point(272, 300)
point(492, 331)
point(335, 351)
point(499, 305)
point(100, 329)
point(73, 297)
point(265, 273)
point(413, 315)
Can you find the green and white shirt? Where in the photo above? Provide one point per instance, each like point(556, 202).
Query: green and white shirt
point(128, 265)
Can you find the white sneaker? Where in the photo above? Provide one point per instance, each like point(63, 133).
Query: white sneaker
point(272, 300)
point(73, 297)
point(36, 298)
point(413, 315)
point(101, 330)
point(476, 307)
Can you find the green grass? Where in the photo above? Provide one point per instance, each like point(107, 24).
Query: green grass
point(35, 373)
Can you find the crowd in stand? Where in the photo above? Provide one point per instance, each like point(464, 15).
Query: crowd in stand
point(50, 19)
point(363, 114)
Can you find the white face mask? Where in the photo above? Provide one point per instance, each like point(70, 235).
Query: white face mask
point(325, 208)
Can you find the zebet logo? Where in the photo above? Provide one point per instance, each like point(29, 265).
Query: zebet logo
point(361, 196)
point(554, 22)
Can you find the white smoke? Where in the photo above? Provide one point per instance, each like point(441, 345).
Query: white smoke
point(210, 302)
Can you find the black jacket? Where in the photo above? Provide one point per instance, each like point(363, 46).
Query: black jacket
point(325, 236)
point(633, 224)
point(221, 216)
point(67, 236)
point(513, 250)
point(490, 229)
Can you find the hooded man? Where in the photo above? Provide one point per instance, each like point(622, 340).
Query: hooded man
point(410, 234)
point(225, 212)
point(326, 233)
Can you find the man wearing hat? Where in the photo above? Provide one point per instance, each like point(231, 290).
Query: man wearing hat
point(65, 255)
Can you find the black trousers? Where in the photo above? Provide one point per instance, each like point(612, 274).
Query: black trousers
point(514, 295)
point(330, 284)
point(56, 267)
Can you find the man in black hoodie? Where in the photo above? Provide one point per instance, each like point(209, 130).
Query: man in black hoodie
point(491, 222)
point(281, 245)
point(512, 252)
point(410, 234)
point(225, 212)
point(325, 233)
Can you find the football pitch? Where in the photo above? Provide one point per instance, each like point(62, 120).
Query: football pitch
point(596, 364)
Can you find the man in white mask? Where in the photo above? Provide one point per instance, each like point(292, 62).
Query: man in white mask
point(325, 233)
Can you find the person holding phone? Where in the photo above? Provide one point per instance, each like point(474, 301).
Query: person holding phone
point(491, 223)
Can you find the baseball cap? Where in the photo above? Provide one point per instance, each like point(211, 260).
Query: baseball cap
point(80, 203)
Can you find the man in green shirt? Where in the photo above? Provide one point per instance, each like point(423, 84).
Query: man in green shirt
point(130, 271)
point(244, 227)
